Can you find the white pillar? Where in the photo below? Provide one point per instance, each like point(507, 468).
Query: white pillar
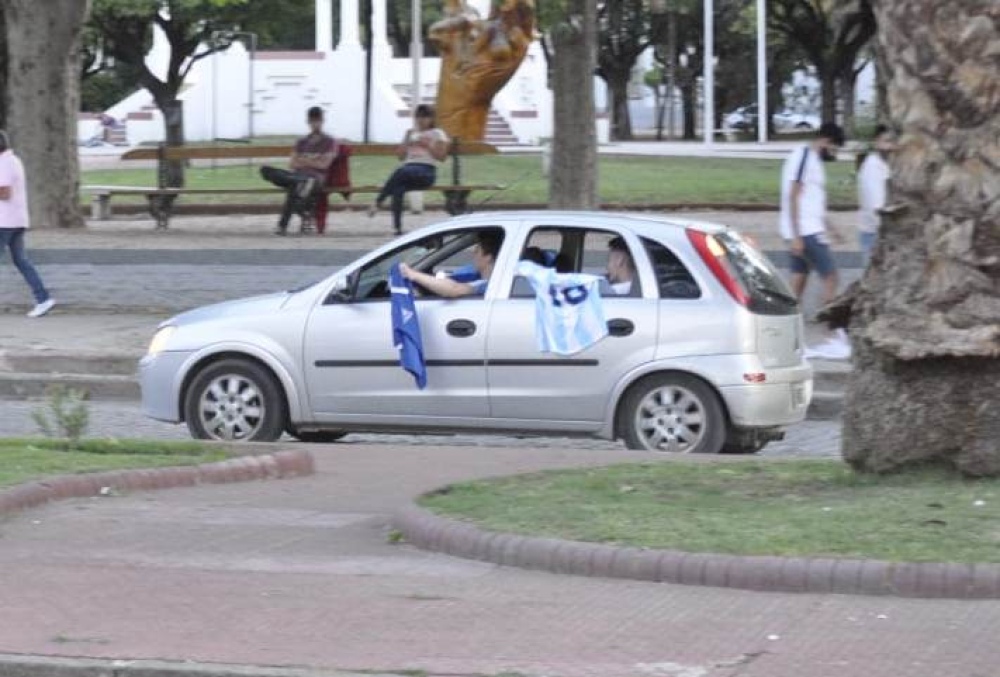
point(763, 115)
point(349, 21)
point(324, 25)
point(380, 32)
point(416, 54)
point(708, 77)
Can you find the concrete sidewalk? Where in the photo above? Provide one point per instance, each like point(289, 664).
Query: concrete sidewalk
point(303, 573)
point(348, 230)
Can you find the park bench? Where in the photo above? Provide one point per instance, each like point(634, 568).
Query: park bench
point(161, 198)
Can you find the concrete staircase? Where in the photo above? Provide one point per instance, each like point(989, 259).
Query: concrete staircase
point(30, 375)
point(498, 129)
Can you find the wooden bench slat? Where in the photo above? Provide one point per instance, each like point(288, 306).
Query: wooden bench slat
point(250, 152)
point(247, 191)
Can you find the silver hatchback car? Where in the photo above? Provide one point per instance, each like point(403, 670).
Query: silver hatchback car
point(704, 352)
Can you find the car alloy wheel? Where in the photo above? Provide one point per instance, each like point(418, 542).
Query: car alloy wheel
point(235, 401)
point(231, 408)
point(675, 413)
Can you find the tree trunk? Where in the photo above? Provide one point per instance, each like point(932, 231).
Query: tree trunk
point(3, 70)
point(43, 46)
point(828, 92)
point(573, 179)
point(688, 92)
point(173, 122)
point(925, 320)
point(621, 117)
point(849, 102)
point(881, 94)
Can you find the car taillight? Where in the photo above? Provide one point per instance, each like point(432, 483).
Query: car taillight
point(714, 256)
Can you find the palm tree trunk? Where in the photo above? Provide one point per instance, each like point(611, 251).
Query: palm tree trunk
point(925, 319)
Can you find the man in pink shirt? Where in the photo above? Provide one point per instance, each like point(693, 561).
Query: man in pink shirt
point(14, 223)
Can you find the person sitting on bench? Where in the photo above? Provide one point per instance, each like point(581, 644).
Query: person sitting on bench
point(421, 147)
point(312, 157)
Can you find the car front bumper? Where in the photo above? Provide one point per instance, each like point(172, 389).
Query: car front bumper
point(768, 404)
point(160, 379)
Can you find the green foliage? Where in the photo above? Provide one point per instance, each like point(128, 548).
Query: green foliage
point(103, 90)
point(67, 417)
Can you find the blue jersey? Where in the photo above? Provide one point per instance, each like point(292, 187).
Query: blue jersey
point(406, 327)
point(569, 314)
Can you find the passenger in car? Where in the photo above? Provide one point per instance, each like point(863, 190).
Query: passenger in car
point(484, 256)
point(621, 267)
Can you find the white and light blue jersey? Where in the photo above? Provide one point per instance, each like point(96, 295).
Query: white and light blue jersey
point(569, 314)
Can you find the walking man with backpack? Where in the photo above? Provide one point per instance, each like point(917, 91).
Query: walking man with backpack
point(805, 224)
point(14, 223)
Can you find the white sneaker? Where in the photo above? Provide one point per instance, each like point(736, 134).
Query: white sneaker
point(42, 308)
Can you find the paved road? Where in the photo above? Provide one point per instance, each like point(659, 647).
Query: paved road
point(122, 419)
point(169, 287)
point(300, 572)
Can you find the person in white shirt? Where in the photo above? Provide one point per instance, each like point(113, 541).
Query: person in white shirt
point(873, 180)
point(621, 267)
point(421, 148)
point(805, 226)
point(804, 223)
point(14, 223)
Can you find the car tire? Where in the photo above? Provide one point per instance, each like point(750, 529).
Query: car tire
point(319, 436)
point(672, 412)
point(235, 400)
point(804, 127)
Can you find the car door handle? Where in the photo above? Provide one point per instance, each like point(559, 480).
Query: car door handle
point(620, 327)
point(461, 328)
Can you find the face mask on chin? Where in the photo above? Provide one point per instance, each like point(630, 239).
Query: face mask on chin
point(826, 155)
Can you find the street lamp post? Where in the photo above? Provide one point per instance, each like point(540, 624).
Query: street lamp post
point(416, 55)
point(252, 39)
point(763, 114)
point(708, 77)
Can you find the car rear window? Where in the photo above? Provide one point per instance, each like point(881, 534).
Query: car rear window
point(673, 279)
point(769, 294)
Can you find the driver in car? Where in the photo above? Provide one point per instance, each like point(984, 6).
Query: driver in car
point(484, 256)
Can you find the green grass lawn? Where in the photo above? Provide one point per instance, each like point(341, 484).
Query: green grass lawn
point(803, 508)
point(22, 460)
point(631, 180)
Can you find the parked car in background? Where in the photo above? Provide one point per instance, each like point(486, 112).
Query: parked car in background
point(744, 119)
point(704, 354)
point(787, 120)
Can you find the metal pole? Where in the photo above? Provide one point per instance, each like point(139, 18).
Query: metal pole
point(763, 114)
point(369, 9)
point(708, 77)
point(253, 55)
point(416, 54)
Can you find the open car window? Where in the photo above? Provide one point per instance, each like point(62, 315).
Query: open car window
point(575, 250)
point(444, 254)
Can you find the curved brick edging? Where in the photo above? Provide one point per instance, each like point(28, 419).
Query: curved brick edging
point(426, 530)
point(278, 465)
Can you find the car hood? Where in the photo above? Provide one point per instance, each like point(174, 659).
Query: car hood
point(255, 305)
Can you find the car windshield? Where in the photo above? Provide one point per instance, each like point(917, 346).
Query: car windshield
point(769, 294)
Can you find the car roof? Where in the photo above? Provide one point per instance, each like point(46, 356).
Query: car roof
point(639, 222)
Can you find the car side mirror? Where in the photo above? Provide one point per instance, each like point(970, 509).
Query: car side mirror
point(342, 290)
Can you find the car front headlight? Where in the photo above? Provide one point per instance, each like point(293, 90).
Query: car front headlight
point(160, 340)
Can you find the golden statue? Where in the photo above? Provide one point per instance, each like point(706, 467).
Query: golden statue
point(478, 57)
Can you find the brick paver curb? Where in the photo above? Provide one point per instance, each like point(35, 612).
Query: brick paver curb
point(13, 665)
point(429, 531)
point(277, 465)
